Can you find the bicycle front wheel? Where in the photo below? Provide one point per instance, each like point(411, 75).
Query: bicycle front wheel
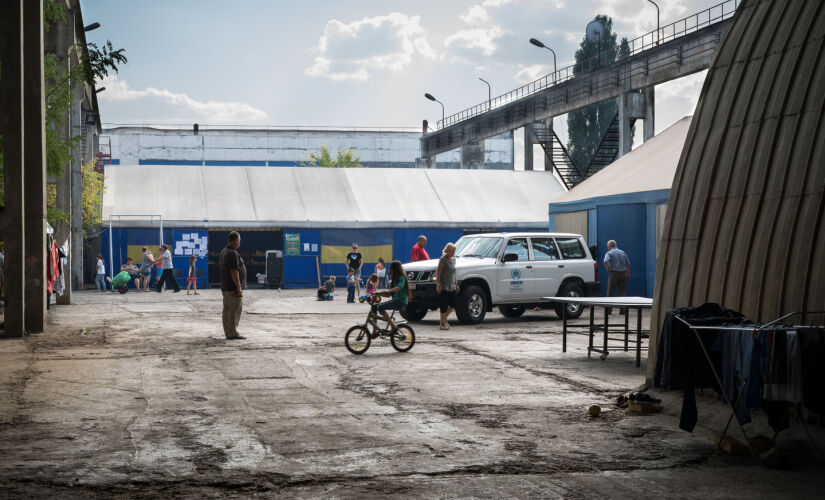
point(403, 338)
point(357, 339)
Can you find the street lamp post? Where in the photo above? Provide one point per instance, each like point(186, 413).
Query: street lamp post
point(657, 20)
point(542, 46)
point(432, 98)
point(489, 94)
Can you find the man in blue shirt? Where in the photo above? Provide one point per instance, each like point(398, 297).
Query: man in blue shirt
point(618, 271)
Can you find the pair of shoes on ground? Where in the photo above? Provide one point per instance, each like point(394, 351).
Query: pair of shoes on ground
point(643, 397)
point(444, 327)
point(236, 337)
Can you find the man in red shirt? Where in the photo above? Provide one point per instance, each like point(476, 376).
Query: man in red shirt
point(418, 252)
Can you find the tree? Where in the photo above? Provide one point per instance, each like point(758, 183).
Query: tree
point(94, 64)
point(91, 197)
point(343, 159)
point(586, 126)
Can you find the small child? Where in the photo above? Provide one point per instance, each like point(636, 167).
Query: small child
point(372, 287)
point(327, 292)
point(192, 279)
point(351, 282)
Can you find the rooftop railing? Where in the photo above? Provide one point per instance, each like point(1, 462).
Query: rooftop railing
point(672, 31)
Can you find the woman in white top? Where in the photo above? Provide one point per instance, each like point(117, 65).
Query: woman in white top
point(100, 277)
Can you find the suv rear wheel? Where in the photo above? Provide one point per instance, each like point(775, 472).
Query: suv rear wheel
point(472, 305)
point(511, 311)
point(574, 310)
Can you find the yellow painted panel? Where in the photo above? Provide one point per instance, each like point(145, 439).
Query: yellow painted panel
point(136, 253)
point(338, 254)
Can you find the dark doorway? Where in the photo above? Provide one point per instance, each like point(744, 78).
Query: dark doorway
point(254, 244)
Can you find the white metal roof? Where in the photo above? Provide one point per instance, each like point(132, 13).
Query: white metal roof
point(649, 167)
point(199, 196)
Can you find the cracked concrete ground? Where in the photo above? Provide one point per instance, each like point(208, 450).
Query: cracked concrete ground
point(139, 395)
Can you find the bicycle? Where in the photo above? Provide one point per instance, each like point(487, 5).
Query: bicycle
point(358, 338)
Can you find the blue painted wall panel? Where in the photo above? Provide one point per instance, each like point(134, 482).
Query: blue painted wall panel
point(404, 239)
point(624, 223)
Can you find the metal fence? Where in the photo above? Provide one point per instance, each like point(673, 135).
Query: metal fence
point(690, 24)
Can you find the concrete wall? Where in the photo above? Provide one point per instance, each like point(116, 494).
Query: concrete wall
point(284, 147)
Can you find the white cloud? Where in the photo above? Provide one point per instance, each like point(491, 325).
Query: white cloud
point(354, 51)
point(156, 105)
point(531, 73)
point(476, 38)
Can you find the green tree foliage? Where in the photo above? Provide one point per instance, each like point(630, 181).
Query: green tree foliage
point(91, 197)
point(342, 159)
point(586, 126)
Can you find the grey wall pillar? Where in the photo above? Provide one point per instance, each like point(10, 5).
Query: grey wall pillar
point(472, 155)
point(649, 113)
point(34, 109)
point(11, 121)
point(528, 148)
point(636, 105)
point(548, 148)
point(428, 162)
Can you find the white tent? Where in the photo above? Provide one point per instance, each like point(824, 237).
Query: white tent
point(199, 196)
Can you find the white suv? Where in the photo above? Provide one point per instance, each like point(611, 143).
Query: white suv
point(510, 270)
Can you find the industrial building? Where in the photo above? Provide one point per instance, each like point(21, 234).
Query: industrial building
point(289, 147)
point(626, 202)
point(311, 215)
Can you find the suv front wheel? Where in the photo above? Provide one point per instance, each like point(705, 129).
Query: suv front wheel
point(574, 310)
point(414, 312)
point(472, 305)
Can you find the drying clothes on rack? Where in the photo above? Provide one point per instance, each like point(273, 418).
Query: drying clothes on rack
point(681, 364)
point(755, 366)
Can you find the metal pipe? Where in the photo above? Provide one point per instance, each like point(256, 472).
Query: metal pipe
point(489, 93)
point(657, 19)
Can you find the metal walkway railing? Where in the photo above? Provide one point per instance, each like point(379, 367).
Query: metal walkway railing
point(690, 24)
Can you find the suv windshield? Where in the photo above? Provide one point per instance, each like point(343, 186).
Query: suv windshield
point(475, 246)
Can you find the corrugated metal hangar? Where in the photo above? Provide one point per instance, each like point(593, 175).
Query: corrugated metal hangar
point(745, 225)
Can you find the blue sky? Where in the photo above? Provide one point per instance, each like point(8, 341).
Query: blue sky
point(347, 62)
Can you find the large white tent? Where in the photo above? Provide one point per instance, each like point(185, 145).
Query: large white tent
point(202, 197)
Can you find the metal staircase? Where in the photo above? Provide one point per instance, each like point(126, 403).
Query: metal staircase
point(555, 150)
point(608, 149)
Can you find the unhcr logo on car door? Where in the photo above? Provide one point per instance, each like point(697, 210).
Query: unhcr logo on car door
point(515, 280)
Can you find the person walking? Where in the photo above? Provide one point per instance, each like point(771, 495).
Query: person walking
point(168, 275)
point(418, 251)
point(100, 276)
point(192, 277)
point(231, 288)
point(354, 261)
point(617, 265)
point(146, 269)
point(446, 284)
point(381, 272)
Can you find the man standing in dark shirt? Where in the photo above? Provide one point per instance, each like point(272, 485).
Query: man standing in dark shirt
point(230, 262)
point(354, 262)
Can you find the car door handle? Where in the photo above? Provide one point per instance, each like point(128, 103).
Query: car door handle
point(529, 267)
point(561, 265)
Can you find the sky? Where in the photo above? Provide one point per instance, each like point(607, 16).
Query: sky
point(349, 63)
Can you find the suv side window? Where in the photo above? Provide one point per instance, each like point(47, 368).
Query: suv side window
point(544, 249)
point(571, 248)
point(518, 246)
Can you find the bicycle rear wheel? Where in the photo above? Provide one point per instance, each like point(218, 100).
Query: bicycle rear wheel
point(357, 339)
point(403, 338)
